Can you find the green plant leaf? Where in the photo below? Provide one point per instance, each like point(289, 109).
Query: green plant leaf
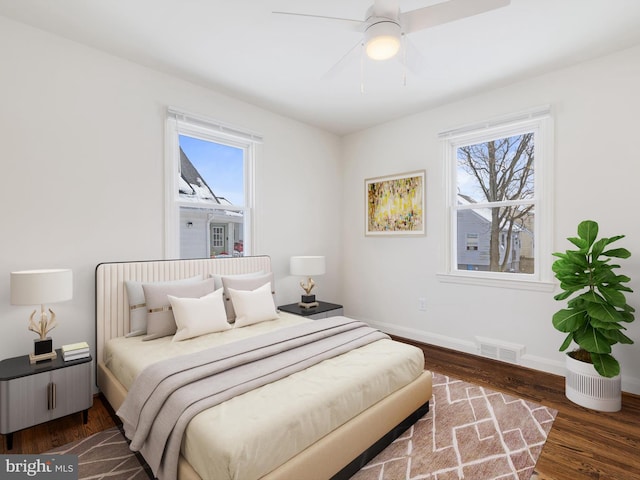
point(605, 365)
point(577, 303)
point(603, 312)
point(627, 317)
point(588, 231)
point(613, 296)
point(579, 242)
point(577, 258)
point(592, 340)
point(617, 253)
point(561, 296)
point(569, 320)
point(616, 336)
point(615, 238)
point(592, 297)
point(603, 325)
point(566, 343)
point(598, 247)
point(572, 285)
point(561, 267)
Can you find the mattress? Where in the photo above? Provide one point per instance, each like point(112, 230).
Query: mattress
point(252, 434)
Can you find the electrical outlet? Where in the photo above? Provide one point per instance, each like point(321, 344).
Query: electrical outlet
point(422, 304)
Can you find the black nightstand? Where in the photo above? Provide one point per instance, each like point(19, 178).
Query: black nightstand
point(34, 394)
point(323, 310)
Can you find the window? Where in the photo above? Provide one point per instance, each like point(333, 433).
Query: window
point(209, 188)
point(499, 190)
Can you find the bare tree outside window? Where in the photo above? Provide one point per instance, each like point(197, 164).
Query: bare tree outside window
point(495, 181)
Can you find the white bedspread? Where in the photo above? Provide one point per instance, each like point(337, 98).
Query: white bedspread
point(250, 435)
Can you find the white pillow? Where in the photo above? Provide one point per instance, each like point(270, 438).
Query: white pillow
point(198, 316)
point(253, 306)
point(137, 303)
point(243, 283)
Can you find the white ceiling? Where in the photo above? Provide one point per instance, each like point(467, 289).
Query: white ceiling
point(285, 63)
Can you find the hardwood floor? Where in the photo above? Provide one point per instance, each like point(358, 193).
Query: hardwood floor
point(61, 431)
point(583, 444)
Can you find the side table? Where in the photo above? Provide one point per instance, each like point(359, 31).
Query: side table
point(323, 310)
point(34, 394)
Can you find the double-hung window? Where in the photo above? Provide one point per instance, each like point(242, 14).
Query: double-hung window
point(499, 201)
point(208, 188)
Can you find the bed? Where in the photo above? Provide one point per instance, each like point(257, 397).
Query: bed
point(372, 407)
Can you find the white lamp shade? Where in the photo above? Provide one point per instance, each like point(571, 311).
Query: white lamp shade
point(39, 287)
point(307, 266)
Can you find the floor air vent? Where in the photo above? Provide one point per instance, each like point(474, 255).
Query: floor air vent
point(499, 350)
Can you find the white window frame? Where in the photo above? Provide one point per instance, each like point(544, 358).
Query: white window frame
point(540, 121)
point(180, 122)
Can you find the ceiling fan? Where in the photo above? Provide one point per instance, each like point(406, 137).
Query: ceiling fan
point(385, 25)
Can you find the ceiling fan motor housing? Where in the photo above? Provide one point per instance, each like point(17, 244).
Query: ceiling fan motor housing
point(382, 38)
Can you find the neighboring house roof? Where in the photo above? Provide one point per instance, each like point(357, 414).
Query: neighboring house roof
point(193, 188)
point(191, 184)
point(484, 213)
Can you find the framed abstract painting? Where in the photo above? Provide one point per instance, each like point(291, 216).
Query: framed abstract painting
point(395, 204)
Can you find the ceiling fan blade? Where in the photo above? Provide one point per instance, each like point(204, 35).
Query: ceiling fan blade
point(445, 12)
point(411, 57)
point(350, 22)
point(348, 58)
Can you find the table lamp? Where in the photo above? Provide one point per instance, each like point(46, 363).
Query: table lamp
point(40, 287)
point(307, 266)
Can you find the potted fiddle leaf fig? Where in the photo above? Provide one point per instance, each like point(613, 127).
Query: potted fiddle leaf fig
point(594, 316)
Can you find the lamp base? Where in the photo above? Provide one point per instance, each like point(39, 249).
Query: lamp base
point(307, 298)
point(42, 350)
point(308, 305)
point(42, 346)
point(308, 301)
point(42, 357)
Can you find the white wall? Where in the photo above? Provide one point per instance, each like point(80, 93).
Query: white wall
point(82, 175)
point(596, 171)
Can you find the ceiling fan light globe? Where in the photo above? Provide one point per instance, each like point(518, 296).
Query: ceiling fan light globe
point(382, 48)
point(382, 40)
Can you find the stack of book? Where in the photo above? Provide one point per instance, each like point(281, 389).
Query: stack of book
point(75, 351)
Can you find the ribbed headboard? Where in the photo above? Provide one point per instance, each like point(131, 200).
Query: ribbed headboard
point(112, 312)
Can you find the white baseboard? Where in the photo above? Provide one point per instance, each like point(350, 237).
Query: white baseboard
point(629, 384)
point(426, 337)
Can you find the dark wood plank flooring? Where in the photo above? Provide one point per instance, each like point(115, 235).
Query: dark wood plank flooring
point(61, 431)
point(583, 444)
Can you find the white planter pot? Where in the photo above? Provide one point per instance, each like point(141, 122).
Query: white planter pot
point(586, 387)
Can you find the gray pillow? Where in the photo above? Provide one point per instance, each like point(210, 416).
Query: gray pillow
point(137, 305)
point(218, 277)
point(243, 283)
point(160, 321)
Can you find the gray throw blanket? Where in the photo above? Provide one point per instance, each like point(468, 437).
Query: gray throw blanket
point(167, 395)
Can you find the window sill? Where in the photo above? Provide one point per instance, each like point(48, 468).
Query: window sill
point(485, 281)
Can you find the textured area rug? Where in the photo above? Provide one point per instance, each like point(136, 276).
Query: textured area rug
point(470, 432)
point(106, 455)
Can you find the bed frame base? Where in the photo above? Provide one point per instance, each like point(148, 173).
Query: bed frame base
point(369, 454)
